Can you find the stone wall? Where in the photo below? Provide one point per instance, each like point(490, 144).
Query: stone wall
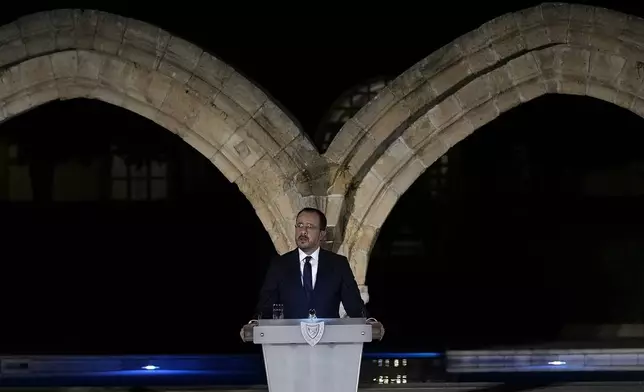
point(377, 155)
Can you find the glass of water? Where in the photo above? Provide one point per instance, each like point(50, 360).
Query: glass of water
point(278, 311)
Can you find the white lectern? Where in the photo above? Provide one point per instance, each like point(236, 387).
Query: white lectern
point(312, 355)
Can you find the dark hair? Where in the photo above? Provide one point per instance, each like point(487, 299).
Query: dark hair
point(319, 213)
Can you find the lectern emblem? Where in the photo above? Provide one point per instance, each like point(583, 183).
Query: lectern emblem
point(312, 332)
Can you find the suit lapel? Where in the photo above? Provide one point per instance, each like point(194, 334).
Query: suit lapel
point(323, 270)
point(295, 271)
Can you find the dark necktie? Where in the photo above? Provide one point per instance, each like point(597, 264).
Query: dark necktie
point(307, 277)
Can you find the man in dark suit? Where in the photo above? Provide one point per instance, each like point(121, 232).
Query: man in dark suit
point(310, 278)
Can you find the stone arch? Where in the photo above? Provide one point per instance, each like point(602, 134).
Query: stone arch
point(65, 54)
point(551, 48)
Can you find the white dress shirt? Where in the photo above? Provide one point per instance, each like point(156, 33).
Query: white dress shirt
point(314, 264)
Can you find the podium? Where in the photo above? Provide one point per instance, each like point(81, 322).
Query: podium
point(312, 355)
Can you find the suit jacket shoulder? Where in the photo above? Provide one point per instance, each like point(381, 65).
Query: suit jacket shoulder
point(288, 255)
point(327, 254)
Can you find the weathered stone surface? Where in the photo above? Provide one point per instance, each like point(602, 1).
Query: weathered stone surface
point(552, 48)
point(143, 68)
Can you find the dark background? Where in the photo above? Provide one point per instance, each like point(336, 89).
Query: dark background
point(513, 245)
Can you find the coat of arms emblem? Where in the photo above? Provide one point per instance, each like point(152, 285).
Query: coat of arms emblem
point(312, 332)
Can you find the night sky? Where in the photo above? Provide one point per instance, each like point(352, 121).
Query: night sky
point(518, 280)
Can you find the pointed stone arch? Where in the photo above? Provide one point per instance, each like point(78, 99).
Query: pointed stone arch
point(551, 48)
point(65, 54)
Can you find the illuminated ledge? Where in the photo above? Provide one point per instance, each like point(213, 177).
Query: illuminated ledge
point(546, 360)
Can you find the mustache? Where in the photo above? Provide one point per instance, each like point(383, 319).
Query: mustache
point(303, 237)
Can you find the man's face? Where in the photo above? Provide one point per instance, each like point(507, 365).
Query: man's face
point(307, 231)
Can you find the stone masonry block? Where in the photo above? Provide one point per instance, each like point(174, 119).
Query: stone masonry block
point(507, 100)
point(36, 71)
point(235, 115)
point(387, 165)
point(213, 70)
point(34, 24)
point(111, 73)
point(451, 76)
point(382, 206)
point(203, 89)
point(389, 122)
point(302, 151)
point(529, 18)
point(419, 98)
point(242, 152)
point(408, 81)
point(456, 132)
point(66, 40)
point(17, 104)
point(210, 125)
point(510, 45)
point(603, 92)
point(609, 22)
point(135, 54)
point(574, 61)
point(226, 167)
point(43, 93)
point(65, 64)
point(40, 43)
point(418, 132)
point(442, 59)
point(10, 81)
point(372, 111)
point(482, 114)
point(474, 93)
point(143, 109)
point(184, 54)
point(12, 52)
point(366, 193)
point(630, 78)
point(536, 37)
point(407, 175)
point(523, 68)
point(254, 132)
point(62, 19)
point(158, 90)
point(90, 64)
point(473, 41)
point(111, 27)
point(555, 13)
point(181, 104)
point(137, 81)
point(9, 32)
point(276, 123)
point(531, 89)
point(483, 59)
point(202, 146)
point(249, 96)
point(344, 141)
point(85, 30)
point(267, 172)
point(501, 27)
point(146, 37)
point(605, 67)
point(501, 78)
point(445, 112)
point(362, 153)
point(633, 32)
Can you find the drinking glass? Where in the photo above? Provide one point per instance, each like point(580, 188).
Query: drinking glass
point(278, 311)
